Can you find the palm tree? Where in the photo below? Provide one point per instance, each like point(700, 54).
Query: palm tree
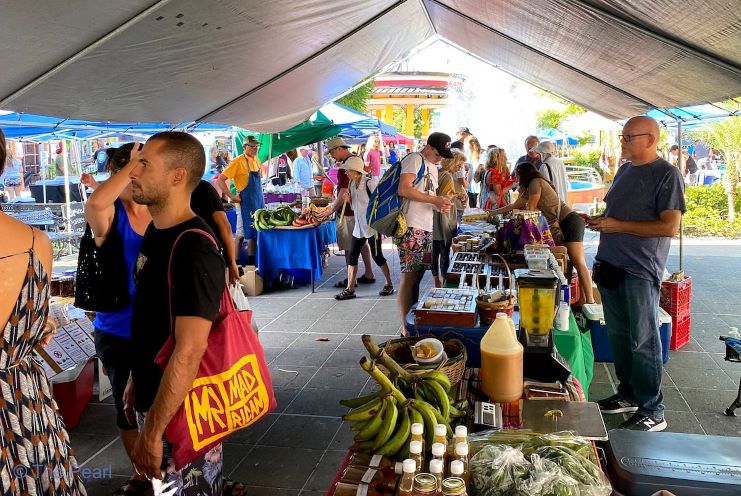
point(725, 136)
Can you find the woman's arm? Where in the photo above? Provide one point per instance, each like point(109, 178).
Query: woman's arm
point(533, 200)
point(518, 204)
point(99, 208)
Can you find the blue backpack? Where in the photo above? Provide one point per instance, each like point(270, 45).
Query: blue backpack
point(385, 204)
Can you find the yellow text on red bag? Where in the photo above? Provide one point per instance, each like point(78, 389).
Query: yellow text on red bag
point(219, 404)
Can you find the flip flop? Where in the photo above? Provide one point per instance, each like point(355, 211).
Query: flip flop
point(387, 290)
point(365, 280)
point(232, 488)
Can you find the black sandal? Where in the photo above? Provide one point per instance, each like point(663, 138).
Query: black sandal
point(134, 487)
point(365, 280)
point(230, 486)
point(343, 284)
point(387, 290)
point(345, 294)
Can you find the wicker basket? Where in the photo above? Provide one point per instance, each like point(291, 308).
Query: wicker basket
point(453, 367)
point(488, 310)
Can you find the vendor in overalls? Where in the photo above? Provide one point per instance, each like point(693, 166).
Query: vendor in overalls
point(246, 173)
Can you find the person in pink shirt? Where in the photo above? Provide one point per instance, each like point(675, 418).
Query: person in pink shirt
point(372, 157)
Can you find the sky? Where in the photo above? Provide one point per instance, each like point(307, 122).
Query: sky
point(499, 109)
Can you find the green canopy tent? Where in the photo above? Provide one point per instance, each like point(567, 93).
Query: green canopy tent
point(318, 127)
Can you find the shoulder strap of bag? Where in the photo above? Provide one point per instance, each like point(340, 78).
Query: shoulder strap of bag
point(169, 270)
point(420, 175)
point(550, 171)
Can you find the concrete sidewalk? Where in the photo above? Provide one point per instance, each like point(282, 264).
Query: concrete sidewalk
point(298, 448)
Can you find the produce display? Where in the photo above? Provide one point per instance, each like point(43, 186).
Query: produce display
point(383, 419)
point(524, 463)
point(284, 216)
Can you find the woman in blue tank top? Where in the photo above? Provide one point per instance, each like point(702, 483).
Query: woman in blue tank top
point(111, 201)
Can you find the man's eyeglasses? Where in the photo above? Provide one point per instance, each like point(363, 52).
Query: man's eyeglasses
point(627, 138)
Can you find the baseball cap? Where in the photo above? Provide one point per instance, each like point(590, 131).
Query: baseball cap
point(441, 143)
point(462, 130)
point(336, 142)
point(544, 147)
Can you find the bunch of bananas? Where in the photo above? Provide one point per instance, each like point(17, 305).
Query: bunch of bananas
point(384, 418)
point(267, 219)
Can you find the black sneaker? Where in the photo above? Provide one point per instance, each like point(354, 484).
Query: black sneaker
point(617, 404)
point(646, 423)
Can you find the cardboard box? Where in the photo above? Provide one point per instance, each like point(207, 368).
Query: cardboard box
point(251, 281)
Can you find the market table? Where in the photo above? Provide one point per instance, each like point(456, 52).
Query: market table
point(575, 346)
point(511, 412)
point(294, 249)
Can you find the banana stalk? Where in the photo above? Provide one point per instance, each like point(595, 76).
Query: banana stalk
point(382, 357)
point(381, 379)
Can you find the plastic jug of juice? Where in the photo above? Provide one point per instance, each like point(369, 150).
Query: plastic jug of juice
point(501, 361)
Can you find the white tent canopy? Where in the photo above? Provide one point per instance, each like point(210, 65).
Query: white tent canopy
point(269, 65)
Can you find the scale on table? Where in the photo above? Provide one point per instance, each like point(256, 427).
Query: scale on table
point(537, 295)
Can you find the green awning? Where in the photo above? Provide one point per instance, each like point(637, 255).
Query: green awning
point(319, 127)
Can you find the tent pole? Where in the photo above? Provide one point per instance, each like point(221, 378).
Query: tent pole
point(383, 146)
point(680, 159)
point(66, 165)
point(44, 169)
point(270, 154)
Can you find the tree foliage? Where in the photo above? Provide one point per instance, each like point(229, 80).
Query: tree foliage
point(553, 118)
point(358, 98)
point(725, 136)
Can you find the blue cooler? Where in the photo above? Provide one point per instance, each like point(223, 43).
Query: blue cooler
point(595, 321)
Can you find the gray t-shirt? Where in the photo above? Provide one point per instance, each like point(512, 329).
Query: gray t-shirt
point(641, 193)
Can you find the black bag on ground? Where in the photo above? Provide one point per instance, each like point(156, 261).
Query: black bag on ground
point(607, 275)
point(102, 284)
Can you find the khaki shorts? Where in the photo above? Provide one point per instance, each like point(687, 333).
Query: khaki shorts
point(344, 234)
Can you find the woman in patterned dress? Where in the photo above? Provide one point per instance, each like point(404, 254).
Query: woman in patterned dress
point(35, 454)
point(498, 181)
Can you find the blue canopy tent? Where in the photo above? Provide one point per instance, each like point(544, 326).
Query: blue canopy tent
point(31, 127)
point(557, 137)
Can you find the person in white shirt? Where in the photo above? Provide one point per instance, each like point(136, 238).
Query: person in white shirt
point(303, 171)
point(415, 245)
point(358, 194)
point(553, 169)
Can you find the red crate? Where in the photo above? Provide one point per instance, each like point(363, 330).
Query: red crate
point(676, 297)
point(680, 330)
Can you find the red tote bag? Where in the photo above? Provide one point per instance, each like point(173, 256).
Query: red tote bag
point(232, 389)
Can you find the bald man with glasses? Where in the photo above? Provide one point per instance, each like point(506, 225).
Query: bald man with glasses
point(644, 209)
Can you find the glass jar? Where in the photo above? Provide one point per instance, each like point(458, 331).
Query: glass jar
point(454, 486)
point(425, 485)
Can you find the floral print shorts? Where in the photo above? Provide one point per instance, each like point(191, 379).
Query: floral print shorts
point(415, 250)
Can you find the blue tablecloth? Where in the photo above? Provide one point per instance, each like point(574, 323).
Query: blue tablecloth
point(287, 249)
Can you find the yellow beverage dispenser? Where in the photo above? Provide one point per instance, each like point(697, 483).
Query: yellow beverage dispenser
point(538, 295)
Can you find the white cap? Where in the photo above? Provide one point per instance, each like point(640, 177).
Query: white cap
point(461, 449)
point(441, 430)
point(418, 429)
point(438, 449)
point(502, 315)
point(461, 431)
point(399, 468)
point(410, 466)
point(436, 466)
point(456, 467)
point(415, 447)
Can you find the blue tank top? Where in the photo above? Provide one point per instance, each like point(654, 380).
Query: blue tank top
point(119, 323)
